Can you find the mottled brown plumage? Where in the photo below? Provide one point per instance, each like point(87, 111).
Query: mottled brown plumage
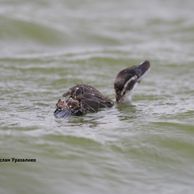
point(82, 98)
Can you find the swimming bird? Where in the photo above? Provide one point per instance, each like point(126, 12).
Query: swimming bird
point(82, 98)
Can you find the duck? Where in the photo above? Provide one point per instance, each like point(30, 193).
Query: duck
point(82, 98)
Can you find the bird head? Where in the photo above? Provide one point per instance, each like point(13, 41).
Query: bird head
point(127, 78)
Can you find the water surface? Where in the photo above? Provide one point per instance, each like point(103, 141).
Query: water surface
point(47, 47)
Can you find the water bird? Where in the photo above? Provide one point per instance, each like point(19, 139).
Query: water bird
point(82, 98)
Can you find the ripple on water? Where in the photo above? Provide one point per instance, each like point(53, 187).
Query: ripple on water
point(47, 47)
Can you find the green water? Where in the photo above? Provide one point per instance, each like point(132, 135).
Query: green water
point(49, 46)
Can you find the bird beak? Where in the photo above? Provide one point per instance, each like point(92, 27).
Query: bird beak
point(141, 69)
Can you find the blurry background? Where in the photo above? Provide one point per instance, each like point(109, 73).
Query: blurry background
point(48, 46)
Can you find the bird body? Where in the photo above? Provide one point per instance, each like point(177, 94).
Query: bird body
point(82, 98)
